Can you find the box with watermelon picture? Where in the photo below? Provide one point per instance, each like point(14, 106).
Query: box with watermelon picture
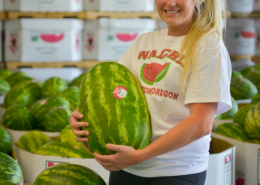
point(247, 161)
point(119, 5)
point(108, 39)
point(41, 40)
point(44, 5)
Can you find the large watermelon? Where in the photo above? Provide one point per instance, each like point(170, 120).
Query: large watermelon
point(5, 141)
point(3, 182)
point(77, 81)
point(240, 116)
point(4, 73)
point(252, 124)
point(231, 113)
point(4, 87)
point(232, 130)
point(255, 99)
point(62, 150)
point(242, 88)
point(56, 119)
point(32, 141)
point(67, 136)
point(53, 87)
point(10, 170)
point(18, 117)
point(14, 75)
point(41, 110)
point(236, 74)
point(254, 76)
point(72, 95)
point(17, 79)
point(249, 69)
point(113, 103)
point(73, 174)
point(24, 93)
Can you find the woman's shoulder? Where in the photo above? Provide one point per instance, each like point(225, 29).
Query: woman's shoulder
point(211, 41)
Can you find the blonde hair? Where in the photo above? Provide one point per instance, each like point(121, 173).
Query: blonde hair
point(207, 19)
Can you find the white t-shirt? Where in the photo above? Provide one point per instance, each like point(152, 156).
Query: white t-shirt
point(154, 60)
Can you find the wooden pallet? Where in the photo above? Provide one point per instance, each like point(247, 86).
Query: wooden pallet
point(17, 15)
point(60, 15)
point(256, 59)
point(3, 16)
point(82, 64)
point(240, 57)
point(255, 15)
point(226, 14)
point(92, 15)
point(240, 15)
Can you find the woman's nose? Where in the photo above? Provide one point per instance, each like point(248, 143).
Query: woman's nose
point(171, 2)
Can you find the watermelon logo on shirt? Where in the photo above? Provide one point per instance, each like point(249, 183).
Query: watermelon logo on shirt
point(153, 72)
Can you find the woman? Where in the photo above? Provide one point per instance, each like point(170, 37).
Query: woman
point(198, 76)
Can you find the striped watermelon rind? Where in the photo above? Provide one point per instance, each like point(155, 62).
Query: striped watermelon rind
point(43, 107)
point(236, 74)
point(242, 88)
point(252, 124)
point(232, 130)
point(52, 87)
point(255, 99)
point(248, 69)
point(77, 81)
point(5, 141)
point(18, 117)
point(62, 174)
point(231, 113)
point(10, 169)
point(254, 77)
point(56, 119)
point(24, 93)
point(3, 182)
point(4, 87)
point(240, 116)
point(4, 73)
point(32, 141)
point(18, 79)
point(127, 119)
point(61, 150)
point(72, 95)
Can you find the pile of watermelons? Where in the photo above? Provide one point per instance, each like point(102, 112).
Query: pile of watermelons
point(246, 120)
point(31, 105)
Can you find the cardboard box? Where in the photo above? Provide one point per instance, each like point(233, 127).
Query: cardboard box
point(120, 5)
point(2, 5)
point(32, 165)
point(43, 5)
point(221, 167)
point(43, 40)
point(247, 161)
point(42, 74)
point(107, 39)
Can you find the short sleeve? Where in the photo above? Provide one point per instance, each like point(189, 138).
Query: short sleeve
point(211, 80)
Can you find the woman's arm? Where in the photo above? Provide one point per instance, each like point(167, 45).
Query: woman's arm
point(197, 125)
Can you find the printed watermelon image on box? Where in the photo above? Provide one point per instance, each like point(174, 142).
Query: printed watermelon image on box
point(44, 5)
point(107, 39)
point(30, 40)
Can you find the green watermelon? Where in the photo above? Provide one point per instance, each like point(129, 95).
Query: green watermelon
point(24, 93)
point(240, 116)
point(10, 170)
point(56, 119)
point(67, 136)
point(255, 99)
point(253, 141)
point(77, 81)
point(17, 79)
point(35, 105)
point(3, 182)
point(254, 77)
point(65, 174)
point(249, 68)
point(18, 117)
point(232, 130)
point(72, 95)
point(113, 103)
point(32, 141)
point(4, 87)
point(242, 88)
point(4, 73)
point(62, 150)
point(53, 87)
point(14, 75)
point(252, 124)
point(231, 113)
point(43, 108)
point(236, 74)
point(5, 141)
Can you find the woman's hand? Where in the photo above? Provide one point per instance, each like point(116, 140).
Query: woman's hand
point(81, 135)
point(125, 156)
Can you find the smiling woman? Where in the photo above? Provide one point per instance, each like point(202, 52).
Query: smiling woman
point(184, 71)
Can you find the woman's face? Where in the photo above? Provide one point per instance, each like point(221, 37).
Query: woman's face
point(177, 14)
